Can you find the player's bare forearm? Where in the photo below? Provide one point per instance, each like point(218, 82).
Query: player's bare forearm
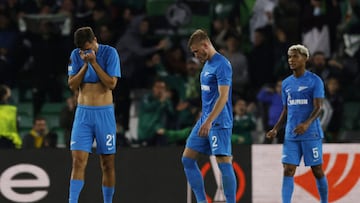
point(74, 81)
point(106, 80)
point(273, 132)
point(220, 102)
point(281, 120)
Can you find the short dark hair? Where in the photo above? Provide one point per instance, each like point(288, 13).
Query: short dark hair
point(39, 118)
point(83, 35)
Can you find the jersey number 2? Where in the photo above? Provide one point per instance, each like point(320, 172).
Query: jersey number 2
point(214, 141)
point(109, 140)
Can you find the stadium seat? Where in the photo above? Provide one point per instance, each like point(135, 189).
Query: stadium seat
point(52, 108)
point(25, 109)
point(15, 95)
point(24, 130)
point(60, 136)
point(52, 120)
point(25, 121)
point(351, 114)
point(350, 136)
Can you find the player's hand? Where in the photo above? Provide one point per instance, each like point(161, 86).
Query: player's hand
point(88, 55)
point(301, 128)
point(204, 129)
point(271, 133)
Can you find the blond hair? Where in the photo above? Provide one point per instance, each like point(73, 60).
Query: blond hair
point(198, 36)
point(301, 49)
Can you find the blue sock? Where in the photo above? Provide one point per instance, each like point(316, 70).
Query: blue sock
point(74, 190)
point(322, 186)
point(229, 181)
point(287, 189)
point(195, 178)
point(108, 193)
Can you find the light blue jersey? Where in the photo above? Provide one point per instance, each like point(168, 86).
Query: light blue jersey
point(106, 56)
point(298, 95)
point(95, 122)
point(216, 72)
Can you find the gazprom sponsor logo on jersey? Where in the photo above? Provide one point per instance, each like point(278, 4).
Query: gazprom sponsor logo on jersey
point(297, 102)
point(205, 87)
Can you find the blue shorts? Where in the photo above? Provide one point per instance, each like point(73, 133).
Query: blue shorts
point(217, 143)
point(311, 150)
point(94, 122)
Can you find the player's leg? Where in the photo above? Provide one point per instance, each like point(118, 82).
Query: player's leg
point(107, 162)
point(105, 135)
point(288, 182)
point(193, 174)
point(80, 145)
point(194, 145)
point(79, 162)
point(321, 182)
point(228, 177)
point(220, 143)
point(313, 157)
point(291, 157)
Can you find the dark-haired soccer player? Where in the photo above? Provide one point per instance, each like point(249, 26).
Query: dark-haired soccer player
point(93, 70)
point(302, 97)
point(212, 132)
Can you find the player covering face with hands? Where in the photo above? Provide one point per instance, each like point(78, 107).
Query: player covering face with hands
point(93, 70)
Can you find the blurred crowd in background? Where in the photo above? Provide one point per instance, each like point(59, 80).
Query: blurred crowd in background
point(157, 99)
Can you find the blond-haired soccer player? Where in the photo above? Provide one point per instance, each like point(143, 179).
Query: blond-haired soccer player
point(302, 97)
point(212, 132)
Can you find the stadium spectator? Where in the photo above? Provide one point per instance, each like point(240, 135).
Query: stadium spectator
point(261, 61)
point(154, 113)
point(9, 135)
point(188, 105)
point(39, 136)
point(270, 99)
point(243, 125)
point(287, 18)
point(334, 96)
point(324, 68)
point(133, 48)
point(239, 63)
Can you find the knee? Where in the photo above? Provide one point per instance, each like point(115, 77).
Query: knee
point(79, 162)
point(317, 171)
point(107, 164)
point(187, 162)
point(289, 170)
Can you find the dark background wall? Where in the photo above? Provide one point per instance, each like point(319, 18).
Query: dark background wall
point(152, 175)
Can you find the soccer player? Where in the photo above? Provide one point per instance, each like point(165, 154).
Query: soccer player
point(302, 96)
point(93, 70)
point(212, 132)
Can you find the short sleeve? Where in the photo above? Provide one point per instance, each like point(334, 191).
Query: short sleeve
point(74, 63)
point(319, 91)
point(113, 63)
point(224, 73)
